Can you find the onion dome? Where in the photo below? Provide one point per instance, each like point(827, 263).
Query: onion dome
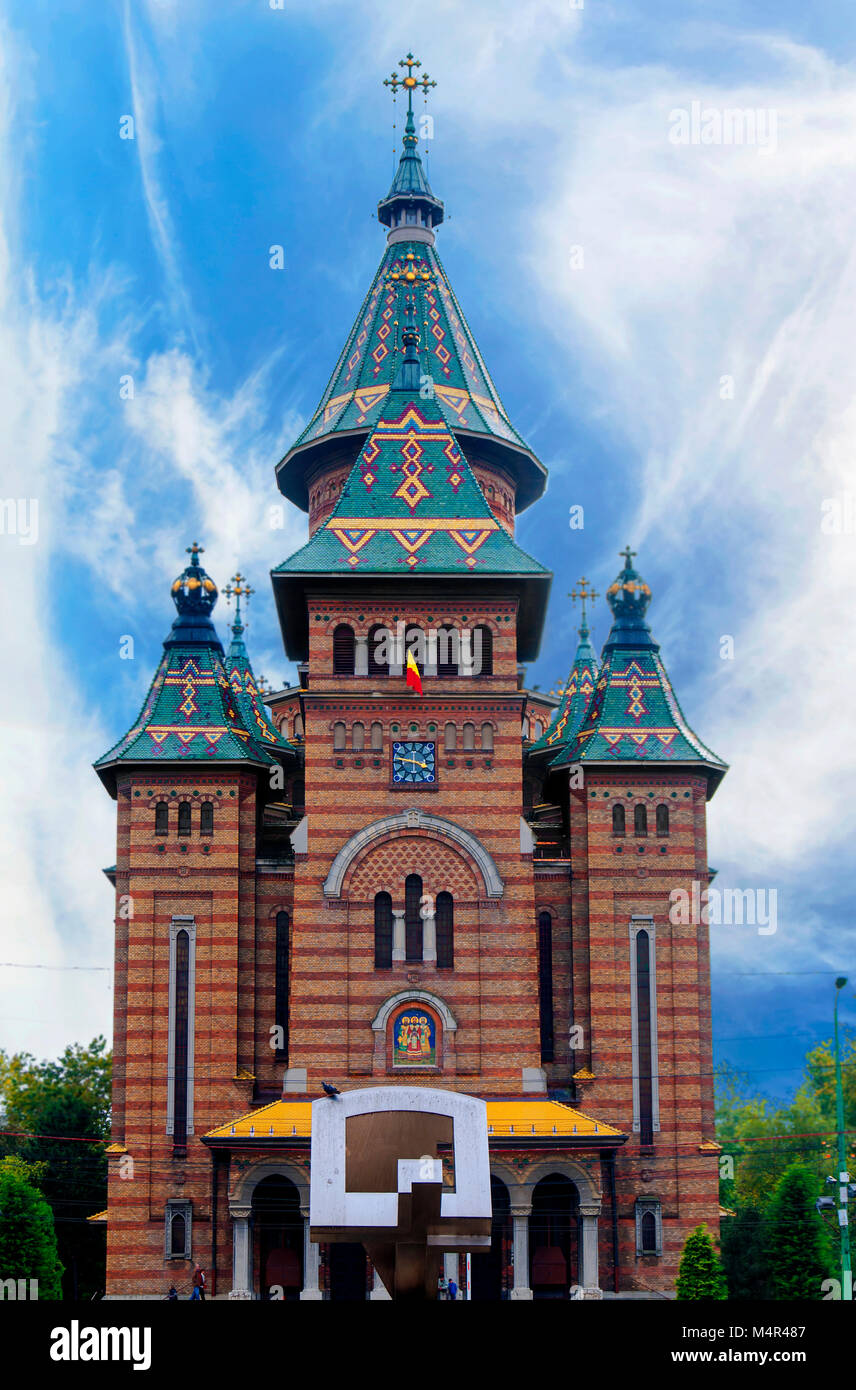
point(194, 594)
point(628, 597)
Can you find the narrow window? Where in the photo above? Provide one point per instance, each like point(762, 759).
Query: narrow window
point(648, 1233)
point(545, 984)
point(298, 796)
point(447, 653)
point(412, 918)
point(178, 1236)
point(298, 726)
point(524, 730)
point(184, 818)
point(469, 737)
point(414, 641)
point(383, 931)
point(662, 820)
point(643, 1038)
point(162, 818)
point(377, 737)
point(487, 738)
point(358, 737)
point(181, 1036)
point(378, 653)
point(338, 737)
point(450, 738)
point(343, 650)
point(537, 729)
point(445, 921)
point(281, 984)
point(483, 651)
point(618, 819)
point(206, 818)
point(640, 819)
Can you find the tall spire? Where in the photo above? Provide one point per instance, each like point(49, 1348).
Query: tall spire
point(570, 712)
point(246, 689)
point(410, 210)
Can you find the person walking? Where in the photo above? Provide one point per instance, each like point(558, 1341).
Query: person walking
point(453, 1291)
point(442, 1288)
point(199, 1283)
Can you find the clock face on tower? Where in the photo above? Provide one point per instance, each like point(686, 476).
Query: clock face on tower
point(414, 762)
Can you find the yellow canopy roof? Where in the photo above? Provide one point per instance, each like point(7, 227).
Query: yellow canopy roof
point(545, 1119)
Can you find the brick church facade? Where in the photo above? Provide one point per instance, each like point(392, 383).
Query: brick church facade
point(353, 882)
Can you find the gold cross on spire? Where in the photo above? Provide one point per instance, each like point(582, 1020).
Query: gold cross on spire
point(194, 551)
point(409, 82)
point(627, 554)
point(238, 588)
point(585, 593)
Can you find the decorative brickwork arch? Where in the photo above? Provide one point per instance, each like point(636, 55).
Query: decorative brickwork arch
point(384, 865)
point(241, 1195)
point(415, 821)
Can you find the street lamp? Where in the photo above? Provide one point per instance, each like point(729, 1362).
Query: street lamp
point(843, 1175)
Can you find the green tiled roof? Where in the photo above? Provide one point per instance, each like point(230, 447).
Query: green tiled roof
point(561, 732)
point(254, 712)
point(634, 715)
point(191, 712)
point(411, 505)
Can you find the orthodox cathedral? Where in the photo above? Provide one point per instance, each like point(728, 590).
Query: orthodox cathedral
point(408, 867)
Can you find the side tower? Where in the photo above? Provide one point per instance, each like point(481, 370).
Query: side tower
point(190, 780)
point(639, 781)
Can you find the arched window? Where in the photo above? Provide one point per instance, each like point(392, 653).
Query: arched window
point(644, 1038)
point(184, 818)
point(338, 737)
point(298, 726)
point(640, 819)
point(178, 1236)
point(524, 730)
point(358, 737)
point(537, 729)
point(450, 738)
point(181, 1035)
point(662, 820)
point(298, 796)
point(377, 736)
point(415, 642)
point(545, 984)
point(383, 931)
point(281, 985)
point(487, 738)
point(378, 653)
point(648, 1230)
point(447, 653)
point(618, 819)
point(445, 924)
point(412, 917)
point(162, 818)
point(206, 818)
point(469, 737)
point(483, 651)
point(343, 650)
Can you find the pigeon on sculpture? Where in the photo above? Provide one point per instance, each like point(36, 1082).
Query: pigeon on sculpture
point(331, 1091)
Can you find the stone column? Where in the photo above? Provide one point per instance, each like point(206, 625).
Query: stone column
point(379, 1289)
point(242, 1253)
point(588, 1252)
point(430, 653)
point(520, 1252)
point(429, 939)
point(310, 1288)
point(361, 656)
point(399, 943)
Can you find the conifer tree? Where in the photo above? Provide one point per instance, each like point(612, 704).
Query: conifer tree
point(796, 1247)
point(700, 1273)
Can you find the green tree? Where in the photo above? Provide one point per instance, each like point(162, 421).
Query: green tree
point(700, 1273)
point(742, 1252)
point(28, 1248)
point(68, 1098)
point(796, 1244)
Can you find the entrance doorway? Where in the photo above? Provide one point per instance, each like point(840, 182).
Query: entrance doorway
point(347, 1266)
point(489, 1268)
point(278, 1230)
point(553, 1237)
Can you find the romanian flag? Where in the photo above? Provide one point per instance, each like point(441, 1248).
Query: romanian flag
point(414, 680)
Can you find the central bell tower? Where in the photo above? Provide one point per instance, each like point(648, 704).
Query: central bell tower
point(415, 954)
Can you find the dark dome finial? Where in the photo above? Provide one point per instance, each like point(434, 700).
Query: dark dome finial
point(194, 592)
point(628, 597)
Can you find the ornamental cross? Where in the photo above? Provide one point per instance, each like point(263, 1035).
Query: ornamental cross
point(194, 551)
point(409, 82)
point(628, 555)
point(585, 593)
point(238, 588)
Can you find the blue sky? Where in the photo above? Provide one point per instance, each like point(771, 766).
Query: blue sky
point(149, 258)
